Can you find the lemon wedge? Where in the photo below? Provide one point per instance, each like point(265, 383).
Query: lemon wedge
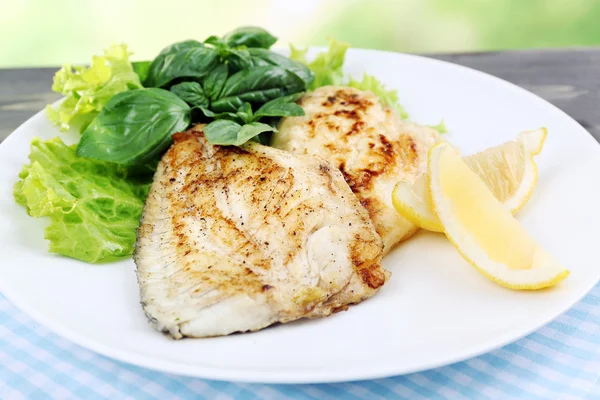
point(508, 170)
point(483, 229)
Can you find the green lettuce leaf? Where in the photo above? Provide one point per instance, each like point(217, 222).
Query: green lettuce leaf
point(298, 54)
point(93, 206)
point(87, 89)
point(441, 127)
point(388, 97)
point(327, 66)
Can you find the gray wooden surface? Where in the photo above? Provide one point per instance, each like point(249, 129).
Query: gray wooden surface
point(570, 79)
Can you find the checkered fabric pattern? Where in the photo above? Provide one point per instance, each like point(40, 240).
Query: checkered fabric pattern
point(560, 361)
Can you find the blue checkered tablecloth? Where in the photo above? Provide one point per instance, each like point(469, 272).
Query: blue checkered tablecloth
point(560, 361)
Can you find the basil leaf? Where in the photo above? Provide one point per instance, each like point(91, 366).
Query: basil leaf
point(222, 49)
point(215, 41)
point(191, 92)
point(239, 59)
point(245, 113)
point(264, 138)
point(228, 133)
point(256, 86)
point(134, 127)
point(214, 81)
point(260, 56)
point(222, 131)
point(194, 62)
point(250, 36)
point(290, 98)
point(141, 68)
point(224, 115)
point(252, 130)
point(175, 47)
point(276, 108)
point(258, 62)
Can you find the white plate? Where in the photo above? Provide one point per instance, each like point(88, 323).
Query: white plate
point(435, 310)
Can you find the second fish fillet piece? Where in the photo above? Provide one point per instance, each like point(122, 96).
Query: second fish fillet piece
point(238, 238)
point(370, 145)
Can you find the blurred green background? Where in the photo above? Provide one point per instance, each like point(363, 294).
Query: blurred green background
point(53, 32)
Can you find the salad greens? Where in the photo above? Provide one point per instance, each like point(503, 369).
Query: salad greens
point(213, 83)
point(93, 192)
point(250, 36)
point(441, 127)
point(227, 132)
point(257, 86)
point(237, 128)
point(142, 69)
point(192, 93)
point(387, 97)
point(281, 107)
point(87, 89)
point(327, 66)
point(135, 127)
point(94, 207)
point(223, 78)
point(189, 60)
point(261, 57)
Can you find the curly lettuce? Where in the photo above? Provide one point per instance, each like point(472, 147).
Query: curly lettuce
point(94, 207)
point(327, 66)
point(387, 97)
point(87, 89)
point(441, 127)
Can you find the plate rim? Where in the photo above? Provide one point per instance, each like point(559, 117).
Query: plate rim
point(300, 376)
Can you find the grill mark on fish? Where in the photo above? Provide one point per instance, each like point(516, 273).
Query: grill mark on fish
point(370, 145)
point(209, 252)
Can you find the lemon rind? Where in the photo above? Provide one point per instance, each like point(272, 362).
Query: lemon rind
point(525, 191)
point(409, 212)
point(539, 141)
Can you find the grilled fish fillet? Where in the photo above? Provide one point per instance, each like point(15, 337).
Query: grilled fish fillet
point(236, 239)
point(369, 144)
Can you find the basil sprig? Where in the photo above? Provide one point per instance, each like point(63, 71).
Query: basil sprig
point(234, 83)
